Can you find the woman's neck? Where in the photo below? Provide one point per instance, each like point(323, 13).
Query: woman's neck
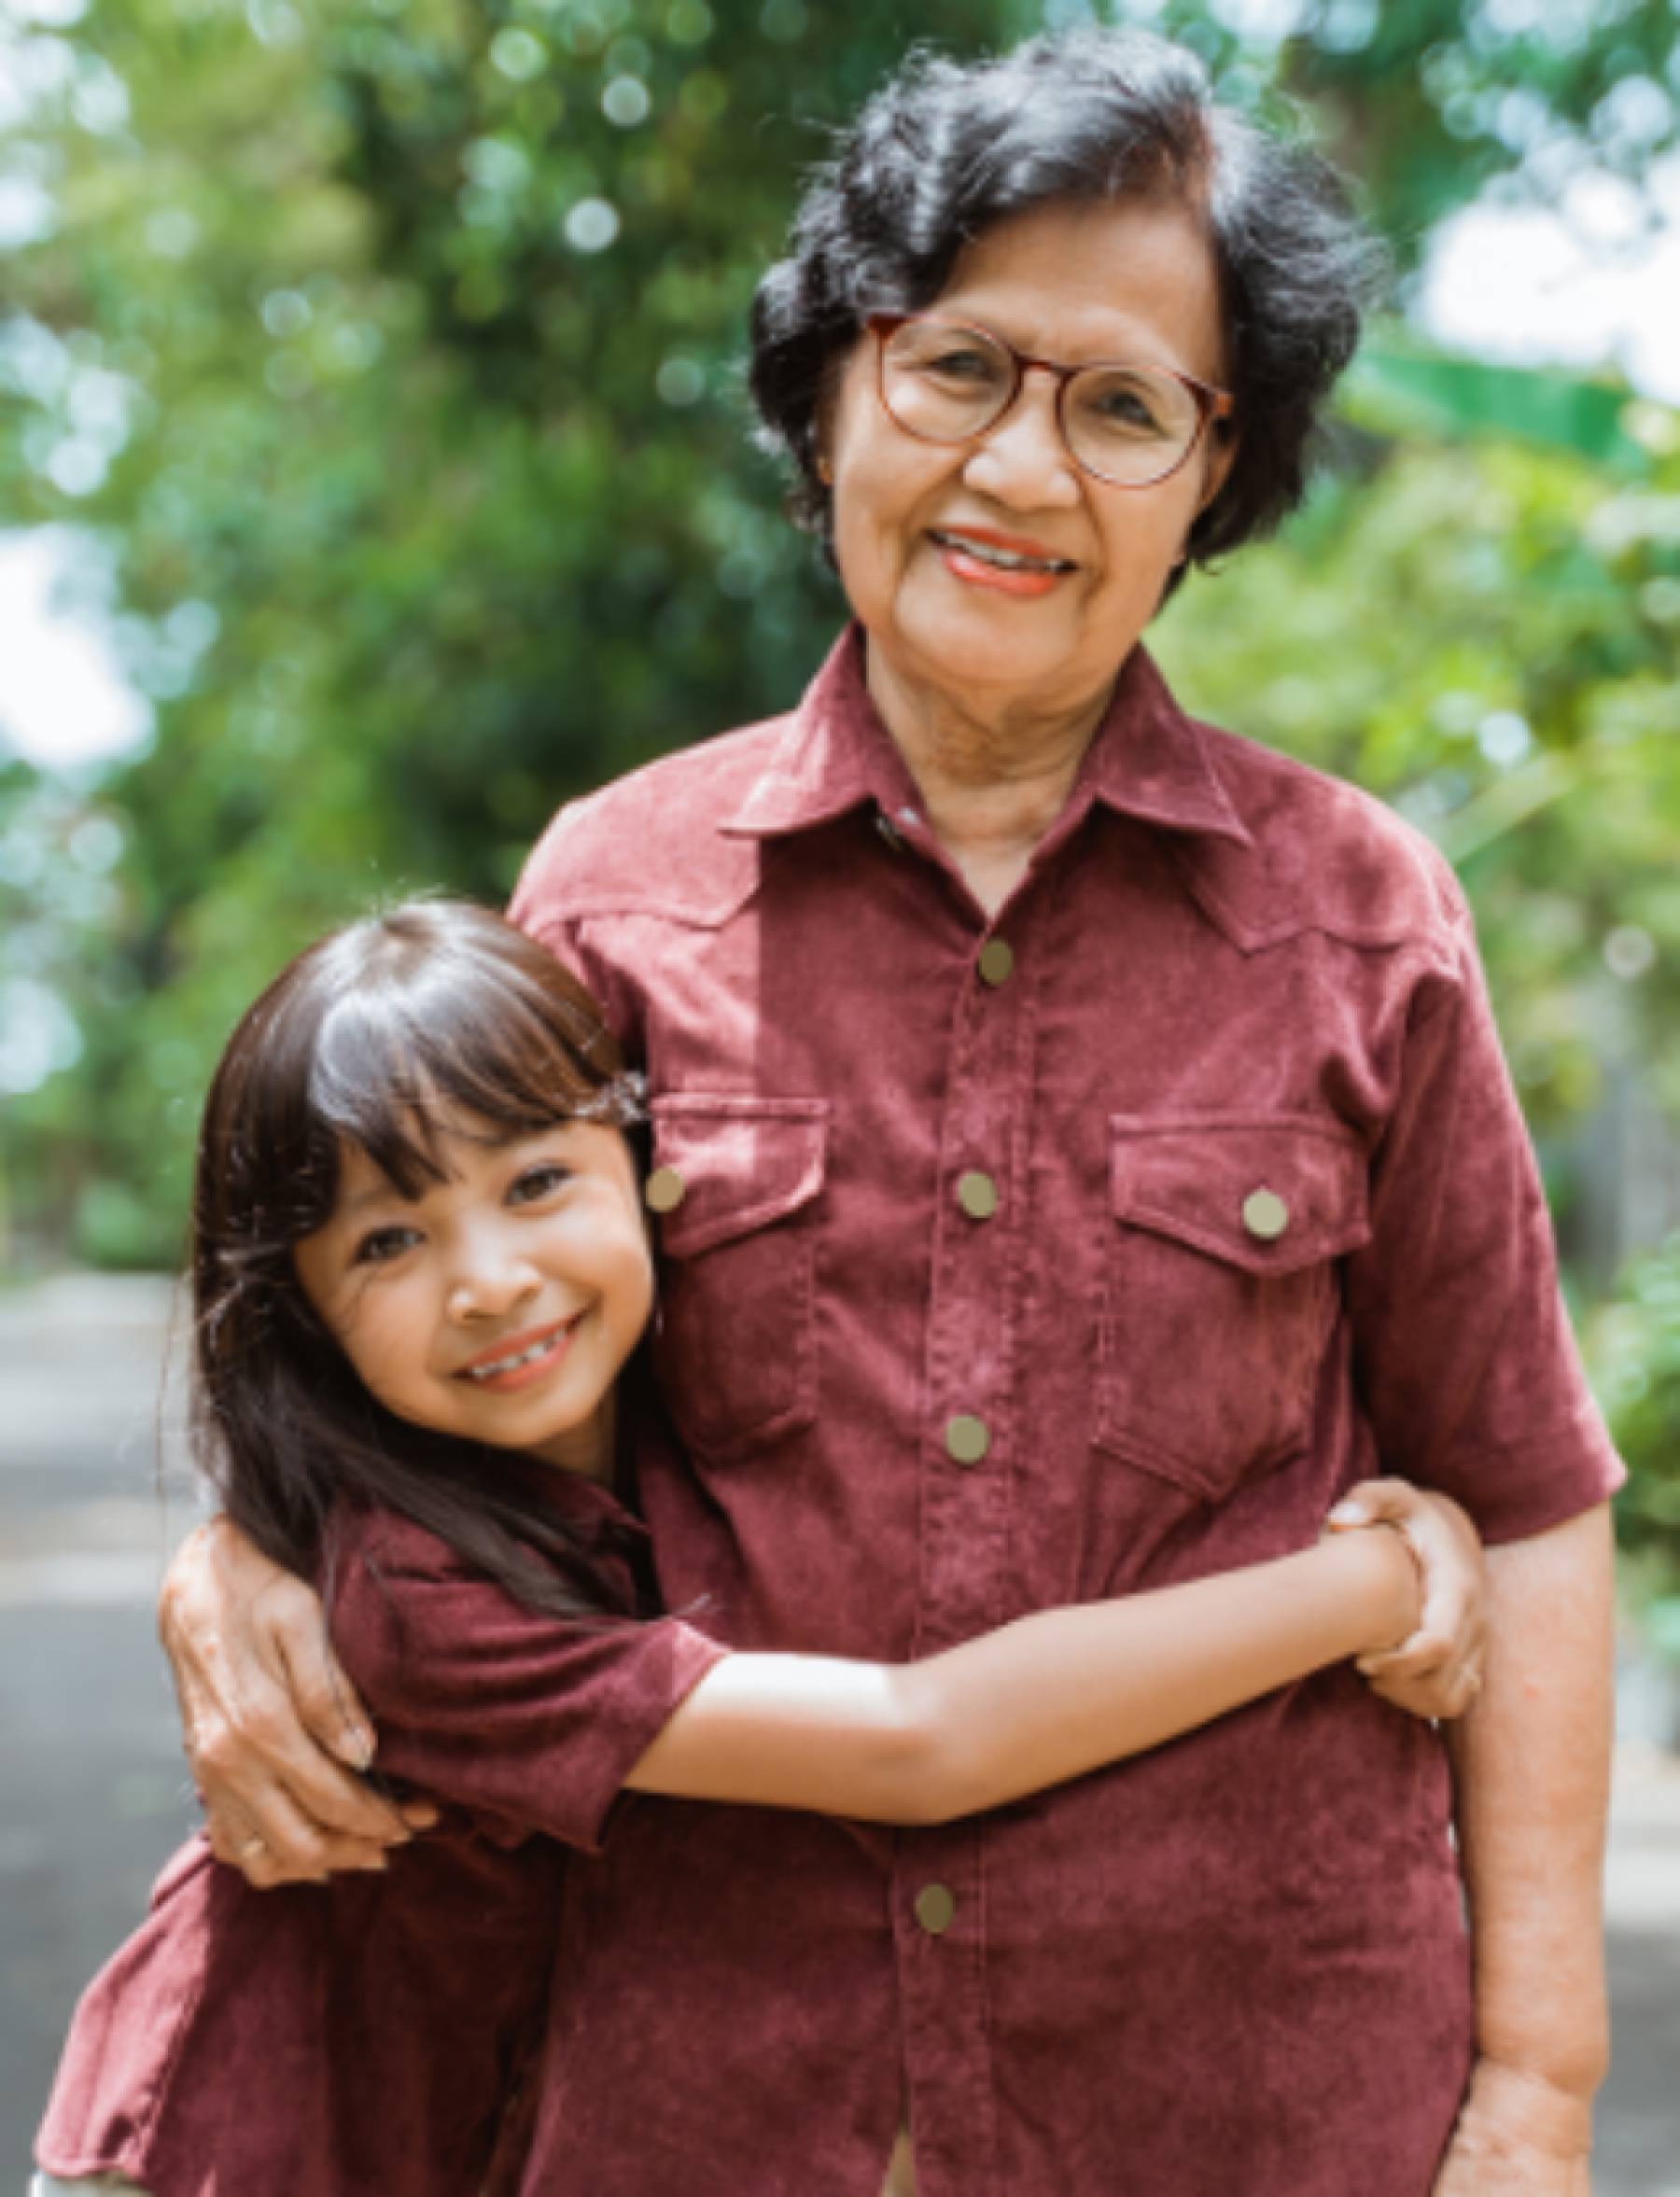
point(991, 785)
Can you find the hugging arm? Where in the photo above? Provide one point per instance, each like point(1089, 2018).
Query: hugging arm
point(1046, 1698)
point(273, 1726)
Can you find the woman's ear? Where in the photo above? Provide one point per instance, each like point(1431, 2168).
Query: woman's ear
point(1222, 447)
point(822, 426)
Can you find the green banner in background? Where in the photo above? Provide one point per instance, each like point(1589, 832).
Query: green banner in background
point(1397, 391)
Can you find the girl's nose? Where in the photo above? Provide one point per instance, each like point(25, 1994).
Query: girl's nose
point(488, 1284)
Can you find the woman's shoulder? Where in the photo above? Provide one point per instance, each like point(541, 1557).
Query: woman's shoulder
point(1316, 853)
point(390, 1582)
point(653, 842)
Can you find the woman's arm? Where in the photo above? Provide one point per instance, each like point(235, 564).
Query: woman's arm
point(1045, 1700)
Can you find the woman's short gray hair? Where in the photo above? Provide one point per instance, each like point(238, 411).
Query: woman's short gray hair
point(947, 150)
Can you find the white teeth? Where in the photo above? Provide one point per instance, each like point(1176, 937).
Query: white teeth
point(1006, 560)
point(509, 1365)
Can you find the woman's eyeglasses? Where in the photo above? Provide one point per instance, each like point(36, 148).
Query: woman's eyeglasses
point(944, 381)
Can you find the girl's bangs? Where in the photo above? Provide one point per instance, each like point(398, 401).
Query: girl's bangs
point(398, 1075)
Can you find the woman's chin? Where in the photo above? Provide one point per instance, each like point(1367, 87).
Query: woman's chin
point(986, 641)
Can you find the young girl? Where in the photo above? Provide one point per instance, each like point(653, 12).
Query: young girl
point(420, 1269)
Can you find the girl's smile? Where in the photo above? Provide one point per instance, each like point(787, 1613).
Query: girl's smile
point(524, 1358)
point(501, 1302)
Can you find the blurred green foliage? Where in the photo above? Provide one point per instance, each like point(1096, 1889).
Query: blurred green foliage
point(391, 348)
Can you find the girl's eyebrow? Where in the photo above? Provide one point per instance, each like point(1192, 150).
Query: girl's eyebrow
point(377, 1194)
point(385, 1191)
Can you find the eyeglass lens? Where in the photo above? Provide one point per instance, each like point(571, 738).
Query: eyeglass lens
point(945, 383)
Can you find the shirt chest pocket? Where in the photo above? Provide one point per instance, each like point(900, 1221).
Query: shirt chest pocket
point(737, 1184)
point(1220, 1292)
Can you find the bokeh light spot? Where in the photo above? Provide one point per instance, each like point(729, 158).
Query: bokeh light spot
point(680, 382)
point(592, 225)
point(1629, 952)
point(626, 102)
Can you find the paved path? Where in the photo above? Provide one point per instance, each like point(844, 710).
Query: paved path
point(92, 1791)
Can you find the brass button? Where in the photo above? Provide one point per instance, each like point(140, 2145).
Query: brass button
point(935, 1909)
point(665, 1190)
point(997, 961)
point(968, 1439)
point(977, 1195)
point(1265, 1215)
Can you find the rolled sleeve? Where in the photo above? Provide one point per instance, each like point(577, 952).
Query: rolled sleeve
point(1463, 1347)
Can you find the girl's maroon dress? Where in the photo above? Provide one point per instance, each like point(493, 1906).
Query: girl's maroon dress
point(369, 2033)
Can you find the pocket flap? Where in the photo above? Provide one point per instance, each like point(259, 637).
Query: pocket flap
point(743, 1163)
point(1269, 1193)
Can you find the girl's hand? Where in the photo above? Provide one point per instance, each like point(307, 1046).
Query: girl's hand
point(1438, 1671)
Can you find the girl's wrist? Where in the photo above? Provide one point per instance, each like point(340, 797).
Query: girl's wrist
point(1389, 1583)
point(1406, 1565)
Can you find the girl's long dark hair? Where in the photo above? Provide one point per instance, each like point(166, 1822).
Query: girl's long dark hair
point(374, 1037)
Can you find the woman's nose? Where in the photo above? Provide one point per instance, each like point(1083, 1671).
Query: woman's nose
point(1024, 460)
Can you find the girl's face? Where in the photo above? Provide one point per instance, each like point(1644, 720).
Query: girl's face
point(501, 1304)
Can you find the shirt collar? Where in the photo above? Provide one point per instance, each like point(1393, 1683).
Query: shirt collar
point(834, 754)
point(1148, 760)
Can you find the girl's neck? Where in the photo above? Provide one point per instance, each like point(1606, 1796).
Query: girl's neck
point(991, 786)
point(587, 1451)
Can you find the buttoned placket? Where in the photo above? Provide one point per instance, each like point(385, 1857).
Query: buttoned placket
point(966, 1470)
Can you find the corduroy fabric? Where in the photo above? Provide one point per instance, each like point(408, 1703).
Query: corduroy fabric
point(1239, 1962)
point(366, 2036)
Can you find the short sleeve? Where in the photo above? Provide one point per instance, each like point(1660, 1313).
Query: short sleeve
point(531, 1719)
point(1464, 1355)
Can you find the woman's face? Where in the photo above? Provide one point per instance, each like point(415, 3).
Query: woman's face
point(1133, 282)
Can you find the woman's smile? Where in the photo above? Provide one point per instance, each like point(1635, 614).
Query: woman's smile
point(979, 557)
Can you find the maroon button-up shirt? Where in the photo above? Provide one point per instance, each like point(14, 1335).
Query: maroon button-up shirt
point(1235, 1963)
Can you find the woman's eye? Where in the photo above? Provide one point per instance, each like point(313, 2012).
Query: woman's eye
point(1126, 408)
point(538, 1182)
point(1125, 405)
point(382, 1245)
point(968, 366)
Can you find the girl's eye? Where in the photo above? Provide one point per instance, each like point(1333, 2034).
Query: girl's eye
point(539, 1182)
point(382, 1245)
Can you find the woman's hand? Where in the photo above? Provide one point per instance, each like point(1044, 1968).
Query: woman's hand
point(1517, 2136)
point(269, 1719)
point(1436, 1673)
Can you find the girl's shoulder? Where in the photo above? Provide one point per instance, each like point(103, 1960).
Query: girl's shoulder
point(364, 1539)
point(374, 1539)
point(408, 1613)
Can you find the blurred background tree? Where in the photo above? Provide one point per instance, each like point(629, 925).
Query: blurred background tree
point(387, 353)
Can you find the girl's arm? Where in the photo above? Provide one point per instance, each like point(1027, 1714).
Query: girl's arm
point(1049, 1698)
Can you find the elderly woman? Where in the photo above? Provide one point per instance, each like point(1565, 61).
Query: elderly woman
point(1084, 1152)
